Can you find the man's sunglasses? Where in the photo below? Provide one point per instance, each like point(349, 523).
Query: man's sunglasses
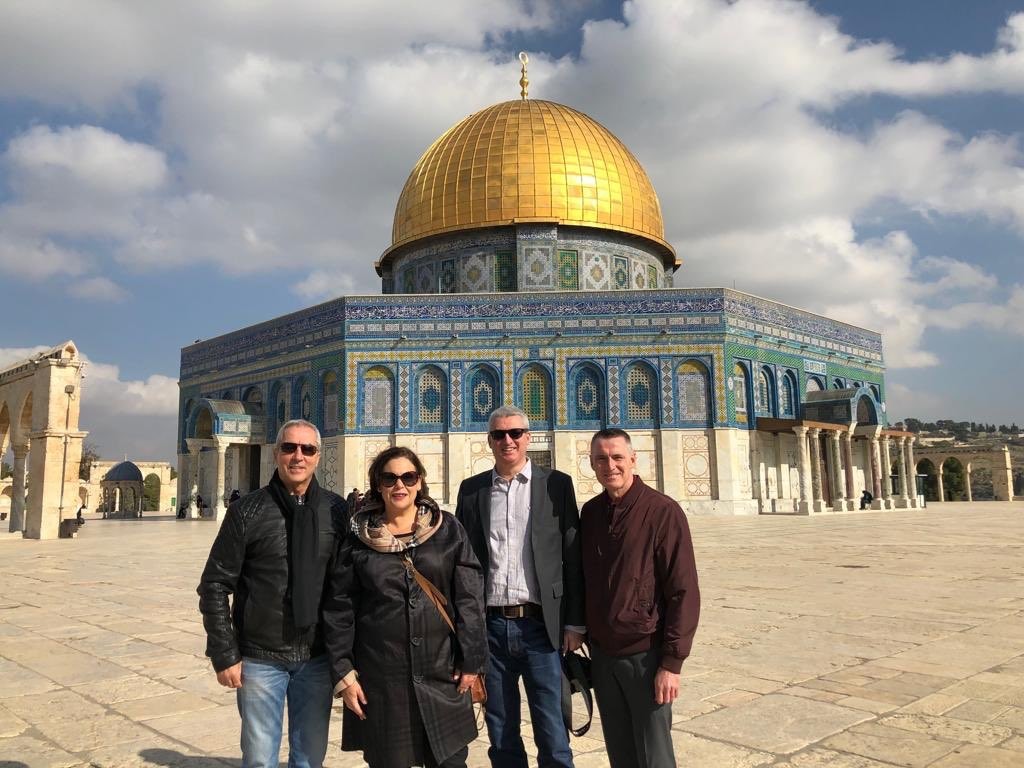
point(409, 479)
point(497, 435)
point(306, 448)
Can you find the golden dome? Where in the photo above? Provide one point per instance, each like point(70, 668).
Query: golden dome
point(527, 161)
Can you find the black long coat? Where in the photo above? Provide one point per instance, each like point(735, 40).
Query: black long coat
point(378, 621)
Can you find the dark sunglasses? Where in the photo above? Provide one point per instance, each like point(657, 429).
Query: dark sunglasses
point(307, 449)
point(498, 435)
point(388, 479)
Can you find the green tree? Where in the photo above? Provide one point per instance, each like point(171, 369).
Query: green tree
point(953, 483)
point(151, 494)
point(90, 453)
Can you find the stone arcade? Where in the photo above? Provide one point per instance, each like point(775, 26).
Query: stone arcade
point(39, 403)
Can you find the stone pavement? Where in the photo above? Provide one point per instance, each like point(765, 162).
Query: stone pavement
point(848, 641)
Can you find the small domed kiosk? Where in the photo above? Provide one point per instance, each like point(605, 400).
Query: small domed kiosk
point(121, 491)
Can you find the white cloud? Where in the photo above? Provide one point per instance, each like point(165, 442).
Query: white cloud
point(322, 284)
point(1007, 317)
point(33, 259)
point(89, 158)
point(98, 289)
point(106, 393)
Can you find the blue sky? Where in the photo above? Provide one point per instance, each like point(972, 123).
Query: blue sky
point(168, 174)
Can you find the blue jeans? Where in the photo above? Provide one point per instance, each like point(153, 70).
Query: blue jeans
point(521, 648)
point(306, 685)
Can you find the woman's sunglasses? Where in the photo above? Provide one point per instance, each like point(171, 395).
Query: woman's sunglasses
point(306, 448)
point(497, 435)
point(409, 479)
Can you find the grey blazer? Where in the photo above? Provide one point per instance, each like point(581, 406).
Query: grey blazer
point(554, 536)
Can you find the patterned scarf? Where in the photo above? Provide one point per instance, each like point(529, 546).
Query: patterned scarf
point(369, 525)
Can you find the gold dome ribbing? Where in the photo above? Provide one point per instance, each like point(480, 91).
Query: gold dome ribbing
point(527, 161)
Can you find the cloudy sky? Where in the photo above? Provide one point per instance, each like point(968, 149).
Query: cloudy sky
point(173, 171)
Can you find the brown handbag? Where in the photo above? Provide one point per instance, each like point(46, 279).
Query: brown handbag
point(478, 690)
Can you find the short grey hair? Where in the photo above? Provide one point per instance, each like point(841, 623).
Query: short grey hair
point(611, 434)
point(506, 412)
point(295, 423)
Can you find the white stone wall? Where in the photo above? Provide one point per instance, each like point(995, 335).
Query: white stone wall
point(683, 463)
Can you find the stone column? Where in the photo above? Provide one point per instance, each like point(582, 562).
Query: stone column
point(194, 450)
point(967, 482)
point(117, 499)
point(887, 476)
point(219, 509)
point(901, 459)
point(839, 481)
point(942, 491)
point(876, 472)
point(803, 471)
point(911, 472)
point(851, 494)
point(18, 489)
point(817, 499)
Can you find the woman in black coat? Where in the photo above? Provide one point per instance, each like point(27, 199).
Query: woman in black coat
point(404, 677)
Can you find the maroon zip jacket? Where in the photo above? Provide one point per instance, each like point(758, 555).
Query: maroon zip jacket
point(641, 578)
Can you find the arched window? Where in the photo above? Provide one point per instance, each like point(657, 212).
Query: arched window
point(483, 395)
point(535, 396)
point(254, 398)
point(814, 384)
point(876, 393)
point(304, 401)
point(641, 395)
point(204, 424)
point(430, 409)
point(787, 406)
point(866, 411)
point(739, 393)
point(378, 399)
point(763, 394)
point(693, 383)
point(279, 409)
point(838, 384)
point(329, 401)
point(587, 399)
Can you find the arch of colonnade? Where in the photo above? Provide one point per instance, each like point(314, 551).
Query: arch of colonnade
point(995, 459)
point(39, 409)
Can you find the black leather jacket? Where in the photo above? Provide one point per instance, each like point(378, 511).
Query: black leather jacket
point(249, 559)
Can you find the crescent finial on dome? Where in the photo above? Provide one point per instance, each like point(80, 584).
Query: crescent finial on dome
point(524, 81)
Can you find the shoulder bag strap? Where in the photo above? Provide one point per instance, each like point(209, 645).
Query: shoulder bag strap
point(430, 591)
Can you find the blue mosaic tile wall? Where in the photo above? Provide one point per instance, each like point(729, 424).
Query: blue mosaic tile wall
point(586, 344)
point(526, 258)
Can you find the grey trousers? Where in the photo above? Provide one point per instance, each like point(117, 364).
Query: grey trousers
point(637, 732)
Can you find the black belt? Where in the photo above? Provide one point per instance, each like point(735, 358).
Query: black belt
point(521, 611)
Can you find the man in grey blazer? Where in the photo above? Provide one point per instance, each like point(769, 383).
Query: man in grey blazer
point(523, 523)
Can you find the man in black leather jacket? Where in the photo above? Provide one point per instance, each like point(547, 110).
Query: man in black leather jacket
point(271, 555)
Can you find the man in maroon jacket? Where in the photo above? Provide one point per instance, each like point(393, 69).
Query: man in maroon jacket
point(642, 603)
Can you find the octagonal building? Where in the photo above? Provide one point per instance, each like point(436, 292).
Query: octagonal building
point(528, 265)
